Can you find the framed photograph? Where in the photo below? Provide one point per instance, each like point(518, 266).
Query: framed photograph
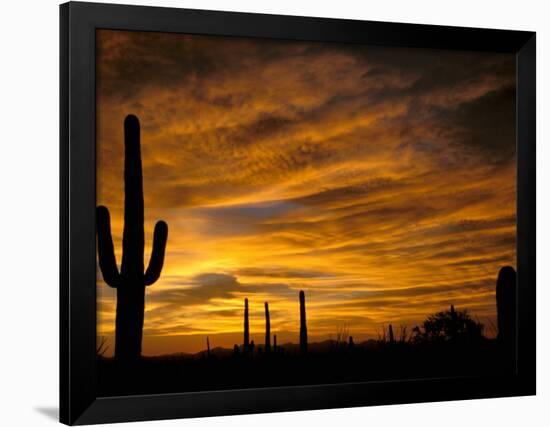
point(268, 213)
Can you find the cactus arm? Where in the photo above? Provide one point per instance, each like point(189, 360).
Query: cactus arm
point(105, 248)
point(157, 255)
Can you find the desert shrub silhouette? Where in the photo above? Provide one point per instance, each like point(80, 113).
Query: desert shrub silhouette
point(131, 281)
point(448, 326)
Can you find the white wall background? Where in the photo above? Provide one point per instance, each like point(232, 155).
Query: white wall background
point(29, 210)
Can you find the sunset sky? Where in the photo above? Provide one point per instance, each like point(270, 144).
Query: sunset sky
point(381, 181)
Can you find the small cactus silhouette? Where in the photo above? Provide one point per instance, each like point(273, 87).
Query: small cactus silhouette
point(208, 347)
point(506, 307)
point(246, 343)
point(303, 326)
point(390, 333)
point(131, 281)
point(267, 329)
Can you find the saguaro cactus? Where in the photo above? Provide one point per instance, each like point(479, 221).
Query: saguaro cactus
point(506, 305)
point(390, 333)
point(131, 281)
point(267, 329)
point(303, 326)
point(208, 347)
point(246, 343)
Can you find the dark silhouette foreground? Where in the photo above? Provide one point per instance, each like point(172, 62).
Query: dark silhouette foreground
point(448, 343)
point(286, 365)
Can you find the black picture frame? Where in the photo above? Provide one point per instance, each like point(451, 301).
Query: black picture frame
point(79, 403)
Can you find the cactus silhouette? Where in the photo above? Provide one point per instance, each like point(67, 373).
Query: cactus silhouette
point(246, 343)
point(267, 329)
point(303, 326)
point(506, 308)
point(208, 347)
point(390, 333)
point(131, 281)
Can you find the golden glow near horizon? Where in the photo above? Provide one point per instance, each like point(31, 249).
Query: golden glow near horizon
point(381, 181)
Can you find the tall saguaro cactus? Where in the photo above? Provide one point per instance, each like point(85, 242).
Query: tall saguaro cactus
point(267, 329)
point(131, 281)
point(246, 343)
point(303, 326)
